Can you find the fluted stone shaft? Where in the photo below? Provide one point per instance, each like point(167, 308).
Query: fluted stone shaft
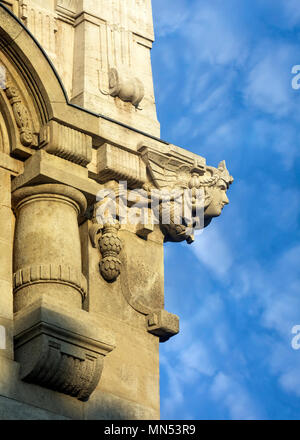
point(47, 252)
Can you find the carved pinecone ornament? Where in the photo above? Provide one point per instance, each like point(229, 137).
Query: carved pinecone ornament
point(110, 246)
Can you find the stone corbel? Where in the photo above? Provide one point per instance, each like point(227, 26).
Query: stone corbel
point(162, 324)
point(59, 349)
point(67, 143)
point(204, 186)
point(114, 163)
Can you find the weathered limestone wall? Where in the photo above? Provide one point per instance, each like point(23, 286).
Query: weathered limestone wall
point(6, 250)
point(101, 49)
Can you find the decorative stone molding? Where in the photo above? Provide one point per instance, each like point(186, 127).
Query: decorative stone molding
point(21, 114)
point(67, 143)
point(58, 364)
point(53, 354)
point(66, 10)
point(56, 273)
point(66, 194)
point(163, 324)
point(113, 163)
point(127, 89)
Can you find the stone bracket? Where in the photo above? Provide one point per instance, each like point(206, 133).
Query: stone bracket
point(114, 163)
point(67, 143)
point(162, 324)
point(54, 356)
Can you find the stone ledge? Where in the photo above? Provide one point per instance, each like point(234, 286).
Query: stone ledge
point(163, 324)
point(14, 166)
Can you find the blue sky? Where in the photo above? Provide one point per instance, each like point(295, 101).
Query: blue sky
point(222, 72)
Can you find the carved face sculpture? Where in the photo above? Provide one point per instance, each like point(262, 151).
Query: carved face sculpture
point(216, 190)
point(218, 199)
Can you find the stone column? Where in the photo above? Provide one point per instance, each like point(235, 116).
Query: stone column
point(58, 345)
point(47, 252)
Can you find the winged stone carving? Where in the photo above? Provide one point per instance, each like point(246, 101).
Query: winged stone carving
point(169, 171)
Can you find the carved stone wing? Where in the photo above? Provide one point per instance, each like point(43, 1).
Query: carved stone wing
point(167, 170)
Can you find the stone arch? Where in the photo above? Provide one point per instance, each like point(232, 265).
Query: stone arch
point(22, 50)
point(37, 99)
point(31, 92)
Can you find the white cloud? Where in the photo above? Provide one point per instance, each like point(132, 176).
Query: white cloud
point(212, 250)
point(268, 86)
point(171, 17)
point(215, 62)
point(235, 398)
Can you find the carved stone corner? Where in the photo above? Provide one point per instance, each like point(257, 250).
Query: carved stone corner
point(60, 352)
point(162, 324)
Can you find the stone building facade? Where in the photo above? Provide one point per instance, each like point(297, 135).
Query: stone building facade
point(82, 297)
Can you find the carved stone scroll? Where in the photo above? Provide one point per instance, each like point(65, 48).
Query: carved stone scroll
point(21, 114)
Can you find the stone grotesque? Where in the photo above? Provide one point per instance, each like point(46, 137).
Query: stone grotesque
point(204, 185)
point(215, 187)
